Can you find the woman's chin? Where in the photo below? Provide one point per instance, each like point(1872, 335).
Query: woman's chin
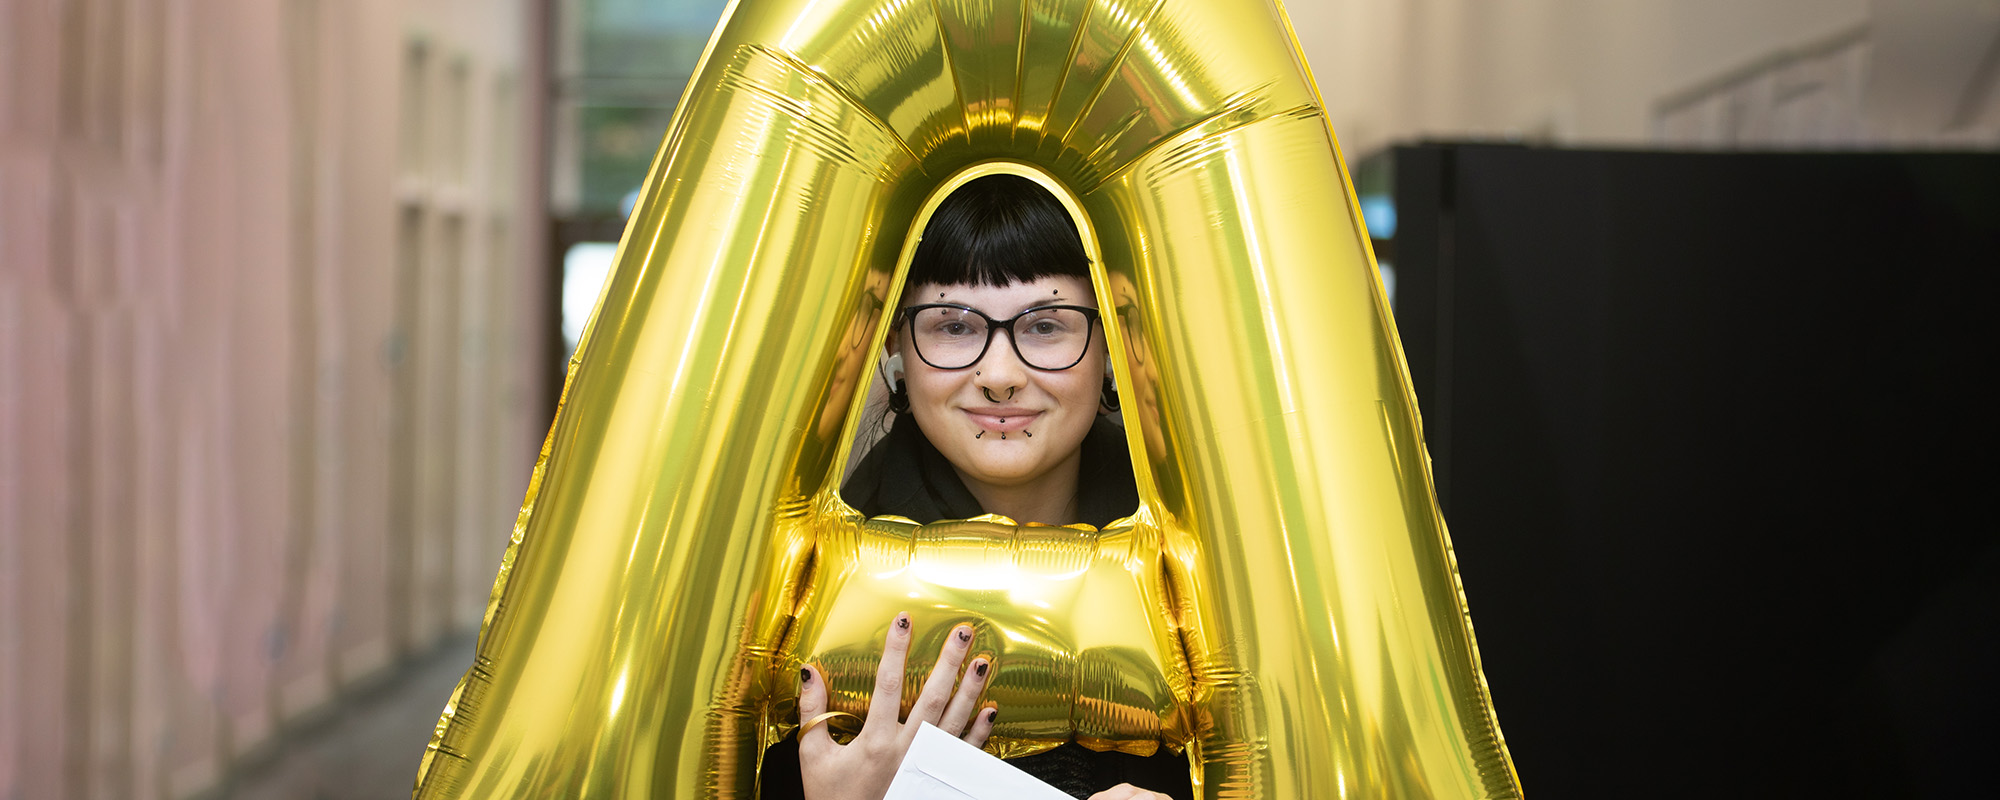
point(1007, 463)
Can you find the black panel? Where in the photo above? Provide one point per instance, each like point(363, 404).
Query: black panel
point(1708, 432)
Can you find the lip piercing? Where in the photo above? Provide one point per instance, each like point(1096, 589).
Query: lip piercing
point(979, 435)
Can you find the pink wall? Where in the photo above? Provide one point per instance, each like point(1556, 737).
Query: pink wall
point(265, 373)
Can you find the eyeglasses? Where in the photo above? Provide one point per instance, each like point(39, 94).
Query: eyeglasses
point(1048, 338)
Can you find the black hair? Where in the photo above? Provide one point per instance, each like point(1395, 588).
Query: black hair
point(997, 230)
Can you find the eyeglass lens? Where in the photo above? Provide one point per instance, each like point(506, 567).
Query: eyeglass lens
point(1045, 338)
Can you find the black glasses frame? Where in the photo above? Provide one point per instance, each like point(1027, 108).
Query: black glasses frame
point(994, 326)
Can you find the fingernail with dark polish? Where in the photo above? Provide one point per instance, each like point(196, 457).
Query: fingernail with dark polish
point(992, 714)
point(979, 669)
point(965, 634)
point(805, 675)
point(903, 622)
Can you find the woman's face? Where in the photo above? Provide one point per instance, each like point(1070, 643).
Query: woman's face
point(1000, 421)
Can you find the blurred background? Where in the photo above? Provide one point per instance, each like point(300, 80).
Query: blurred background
point(1692, 293)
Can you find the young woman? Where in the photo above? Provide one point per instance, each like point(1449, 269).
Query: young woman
point(1001, 380)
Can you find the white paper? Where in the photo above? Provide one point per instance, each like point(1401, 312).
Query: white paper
point(939, 766)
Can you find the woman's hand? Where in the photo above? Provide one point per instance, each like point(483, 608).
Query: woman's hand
point(864, 767)
point(1126, 791)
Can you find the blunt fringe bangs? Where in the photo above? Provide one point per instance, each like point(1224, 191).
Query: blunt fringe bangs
point(995, 231)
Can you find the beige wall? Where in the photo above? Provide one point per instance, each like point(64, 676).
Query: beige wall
point(267, 397)
point(1845, 73)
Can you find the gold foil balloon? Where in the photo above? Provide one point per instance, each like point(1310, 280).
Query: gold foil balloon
point(1283, 607)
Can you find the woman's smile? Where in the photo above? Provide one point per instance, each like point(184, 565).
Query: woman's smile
point(1002, 419)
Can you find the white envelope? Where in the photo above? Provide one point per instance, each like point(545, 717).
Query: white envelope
point(939, 766)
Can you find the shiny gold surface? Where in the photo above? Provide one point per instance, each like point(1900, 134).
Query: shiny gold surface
point(683, 545)
point(1076, 622)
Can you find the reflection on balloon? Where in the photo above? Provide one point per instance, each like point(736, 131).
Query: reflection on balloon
point(1283, 608)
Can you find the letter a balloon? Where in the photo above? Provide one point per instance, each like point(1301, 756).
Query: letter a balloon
point(1282, 609)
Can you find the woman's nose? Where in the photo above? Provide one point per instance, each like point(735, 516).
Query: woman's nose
point(1000, 369)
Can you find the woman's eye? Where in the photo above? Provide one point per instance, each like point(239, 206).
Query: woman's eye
point(954, 329)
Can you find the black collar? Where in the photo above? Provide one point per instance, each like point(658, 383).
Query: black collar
point(906, 476)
